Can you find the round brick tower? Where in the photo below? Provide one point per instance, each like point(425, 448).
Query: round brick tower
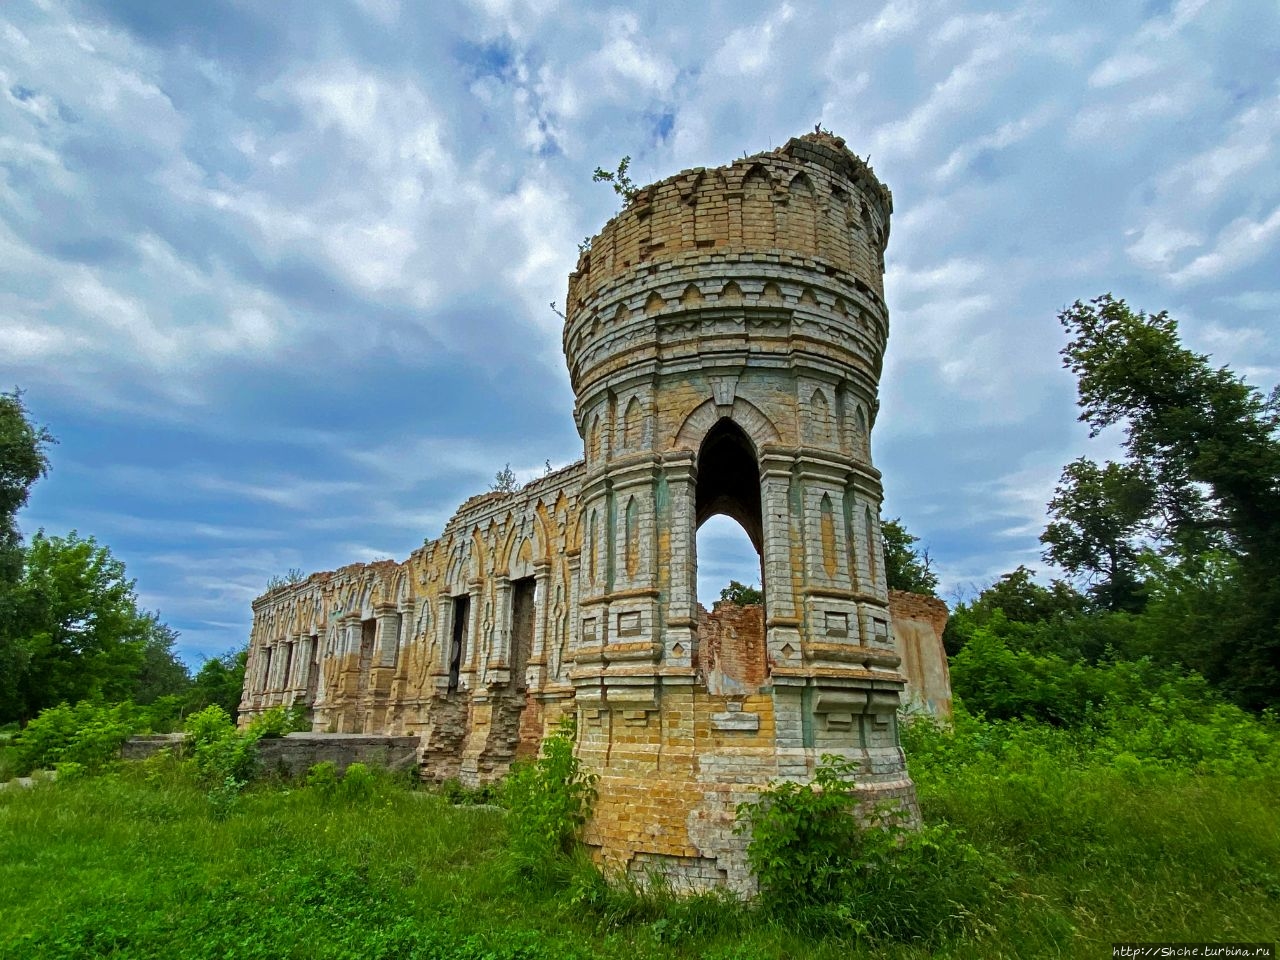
point(725, 334)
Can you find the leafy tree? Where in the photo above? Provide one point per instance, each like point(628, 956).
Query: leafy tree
point(1210, 444)
point(905, 567)
point(741, 595)
point(22, 461)
point(1030, 616)
point(84, 637)
point(1023, 600)
point(220, 682)
point(1101, 517)
point(161, 674)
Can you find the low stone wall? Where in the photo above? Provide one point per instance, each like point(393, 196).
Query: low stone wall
point(139, 748)
point(295, 753)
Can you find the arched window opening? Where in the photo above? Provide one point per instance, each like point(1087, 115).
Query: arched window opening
point(730, 653)
point(726, 555)
point(728, 486)
point(729, 480)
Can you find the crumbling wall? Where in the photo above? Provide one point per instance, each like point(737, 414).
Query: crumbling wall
point(367, 648)
point(730, 655)
point(918, 623)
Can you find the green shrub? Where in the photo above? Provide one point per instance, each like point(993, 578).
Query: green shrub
point(224, 797)
point(161, 767)
point(89, 734)
point(358, 783)
point(234, 756)
point(460, 795)
point(69, 771)
point(163, 715)
point(323, 778)
point(549, 800)
point(224, 757)
point(205, 726)
point(802, 837)
point(819, 868)
point(278, 721)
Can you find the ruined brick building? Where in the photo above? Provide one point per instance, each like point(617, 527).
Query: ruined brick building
point(724, 335)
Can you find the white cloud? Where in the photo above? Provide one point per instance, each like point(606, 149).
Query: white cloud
point(188, 236)
point(1242, 242)
point(1006, 135)
point(750, 50)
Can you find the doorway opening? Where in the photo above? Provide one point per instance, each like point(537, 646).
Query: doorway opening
point(523, 594)
point(458, 642)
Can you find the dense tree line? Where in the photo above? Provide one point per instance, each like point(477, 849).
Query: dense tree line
point(70, 626)
point(1170, 556)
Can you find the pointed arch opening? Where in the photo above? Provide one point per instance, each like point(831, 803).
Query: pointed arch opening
point(730, 644)
point(728, 486)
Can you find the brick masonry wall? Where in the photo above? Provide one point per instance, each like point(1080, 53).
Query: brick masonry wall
point(730, 656)
point(918, 623)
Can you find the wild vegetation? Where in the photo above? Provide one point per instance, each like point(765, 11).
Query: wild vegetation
point(1152, 816)
point(70, 626)
point(1110, 775)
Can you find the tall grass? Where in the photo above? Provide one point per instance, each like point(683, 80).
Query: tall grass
point(1140, 825)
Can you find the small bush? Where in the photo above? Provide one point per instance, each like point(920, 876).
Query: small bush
point(224, 757)
point(358, 783)
point(69, 771)
point(802, 837)
point(819, 868)
point(207, 725)
point(323, 778)
point(549, 801)
point(278, 721)
point(163, 715)
point(89, 734)
point(161, 767)
point(460, 795)
point(224, 798)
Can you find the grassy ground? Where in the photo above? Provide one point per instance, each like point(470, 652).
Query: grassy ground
point(1091, 848)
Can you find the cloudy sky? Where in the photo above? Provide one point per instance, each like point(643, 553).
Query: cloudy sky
point(277, 274)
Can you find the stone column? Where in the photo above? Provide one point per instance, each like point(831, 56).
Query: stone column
point(387, 640)
point(680, 563)
point(783, 582)
point(471, 653)
point(302, 669)
point(439, 668)
point(349, 644)
point(557, 662)
point(498, 665)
